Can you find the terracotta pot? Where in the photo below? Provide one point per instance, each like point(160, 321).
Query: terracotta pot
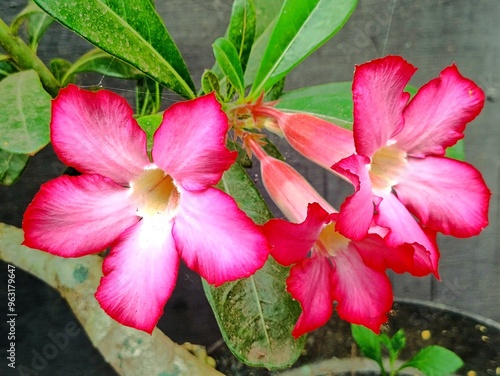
point(332, 351)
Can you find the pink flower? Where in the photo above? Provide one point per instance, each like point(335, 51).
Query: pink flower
point(327, 266)
point(151, 214)
point(400, 165)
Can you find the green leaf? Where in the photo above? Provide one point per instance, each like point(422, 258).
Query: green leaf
point(148, 96)
point(150, 124)
point(457, 151)
point(435, 360)
point(11, 166)
point(332, 102)
point(59, 67)
point(227, 57)
point(103, 63)
point(395, 344)
point(242, 29)
point(129, 30)
point(6, 67)
point(37, 20)
point(301, 28)
point(368, 342)
point(210, 83)
point(256, 315)
point(24, 113)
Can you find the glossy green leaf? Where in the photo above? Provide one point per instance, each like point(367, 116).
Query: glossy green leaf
point(150, 124)
point(368, 342)
point(24, 113)
point(256, 315)
point(11, 166)
point(332, 102)
point(266, 13)
point(37, 20)
point(241, 31)
point(103, 63)
point(435, 361)
point(129, 30)
point(395, 344)
point(227, 57)
point(301, 28)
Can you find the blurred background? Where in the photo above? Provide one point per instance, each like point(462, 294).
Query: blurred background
point(430, 34)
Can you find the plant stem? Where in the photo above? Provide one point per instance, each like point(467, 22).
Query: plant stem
point(25, 58)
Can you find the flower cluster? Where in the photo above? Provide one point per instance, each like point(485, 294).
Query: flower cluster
point(153, 209)
point(405, 191)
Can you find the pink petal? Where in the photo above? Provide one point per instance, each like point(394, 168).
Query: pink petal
point(404, 229)
point(379, 101)
point(377, 255)
point(364, 295)
point(309, 283)
point(289, 190)
point(76, 216)
point(190, 143)
point(140, 274)
point(291, 242)
point(436, 117)
point(96, 133)
point(322, 142)
point(356, 213)
point(447, 195)
point(216, 239)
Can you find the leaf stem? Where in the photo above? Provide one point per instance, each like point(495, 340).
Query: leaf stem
point(25, 58)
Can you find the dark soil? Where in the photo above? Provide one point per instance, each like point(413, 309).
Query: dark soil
point(474, 339)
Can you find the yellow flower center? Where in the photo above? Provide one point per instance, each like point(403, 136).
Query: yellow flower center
point(387, 167)
point(330, 242)
point(155, 193)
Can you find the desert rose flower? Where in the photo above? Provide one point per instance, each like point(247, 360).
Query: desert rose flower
point(327, 267)
point(149, 213)
point(400, 164)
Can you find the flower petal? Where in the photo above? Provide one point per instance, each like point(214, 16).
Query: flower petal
point(96, 133)
point(140, 274)
point(216, 239)
point(436, 117)
point(404, 229)
point(379, 101)
point(77, 216)
point(446, 195)
point(190, 146)
point(364, 295)
point(377, 255)
point(356, 213)
point(309, 283)
point(291, 242)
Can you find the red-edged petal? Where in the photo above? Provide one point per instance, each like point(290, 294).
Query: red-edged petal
point(364, 295)
point(216, 239)
point(77, 216)
point(309, 283)
point(140, 274)
point(377, 255)
point(436, 117)
point(356, 213)
point(95, 132)
point(190, 146)
point(291, 242)
point(289, 190)
point(404, 229)
point(446, 195)
point(322, 142)
point(379, 101)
